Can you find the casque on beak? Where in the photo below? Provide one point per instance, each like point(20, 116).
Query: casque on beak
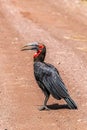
point(30, 46)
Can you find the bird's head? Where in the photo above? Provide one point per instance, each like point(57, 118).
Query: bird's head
point(40, 49)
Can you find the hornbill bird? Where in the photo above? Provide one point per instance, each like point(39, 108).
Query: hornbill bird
point(48, 77)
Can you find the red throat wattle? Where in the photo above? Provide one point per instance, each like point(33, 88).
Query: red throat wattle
point(39, 51)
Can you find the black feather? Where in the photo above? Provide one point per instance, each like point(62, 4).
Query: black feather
point(71, 103)
point(50, 78)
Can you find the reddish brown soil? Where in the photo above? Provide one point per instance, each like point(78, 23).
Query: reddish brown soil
point(62, 27)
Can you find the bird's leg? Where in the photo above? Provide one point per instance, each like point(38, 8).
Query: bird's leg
point(45, 103)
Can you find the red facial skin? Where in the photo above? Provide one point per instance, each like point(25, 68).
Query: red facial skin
point(39, 51)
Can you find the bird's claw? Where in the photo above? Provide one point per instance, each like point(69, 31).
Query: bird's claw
point(43, 108)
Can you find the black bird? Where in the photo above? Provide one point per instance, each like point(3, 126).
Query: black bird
point(47, 77)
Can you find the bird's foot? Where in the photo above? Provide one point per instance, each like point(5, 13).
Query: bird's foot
point(43, 108)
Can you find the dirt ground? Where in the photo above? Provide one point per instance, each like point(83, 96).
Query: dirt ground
point(62, 27)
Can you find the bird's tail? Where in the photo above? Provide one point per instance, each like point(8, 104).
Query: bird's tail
point(71, 103)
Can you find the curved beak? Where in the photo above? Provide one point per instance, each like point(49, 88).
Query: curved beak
point(30, 46)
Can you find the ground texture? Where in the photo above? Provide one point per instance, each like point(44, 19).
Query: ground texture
point(62, 27)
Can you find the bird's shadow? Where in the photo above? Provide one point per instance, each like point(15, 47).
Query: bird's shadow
point(57, 106)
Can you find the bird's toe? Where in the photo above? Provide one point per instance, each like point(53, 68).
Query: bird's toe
point(43, 108)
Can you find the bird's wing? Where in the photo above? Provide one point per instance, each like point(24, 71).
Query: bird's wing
point(53, 82)
point(53, 68)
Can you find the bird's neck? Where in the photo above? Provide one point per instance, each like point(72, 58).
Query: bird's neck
point(39, 56)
